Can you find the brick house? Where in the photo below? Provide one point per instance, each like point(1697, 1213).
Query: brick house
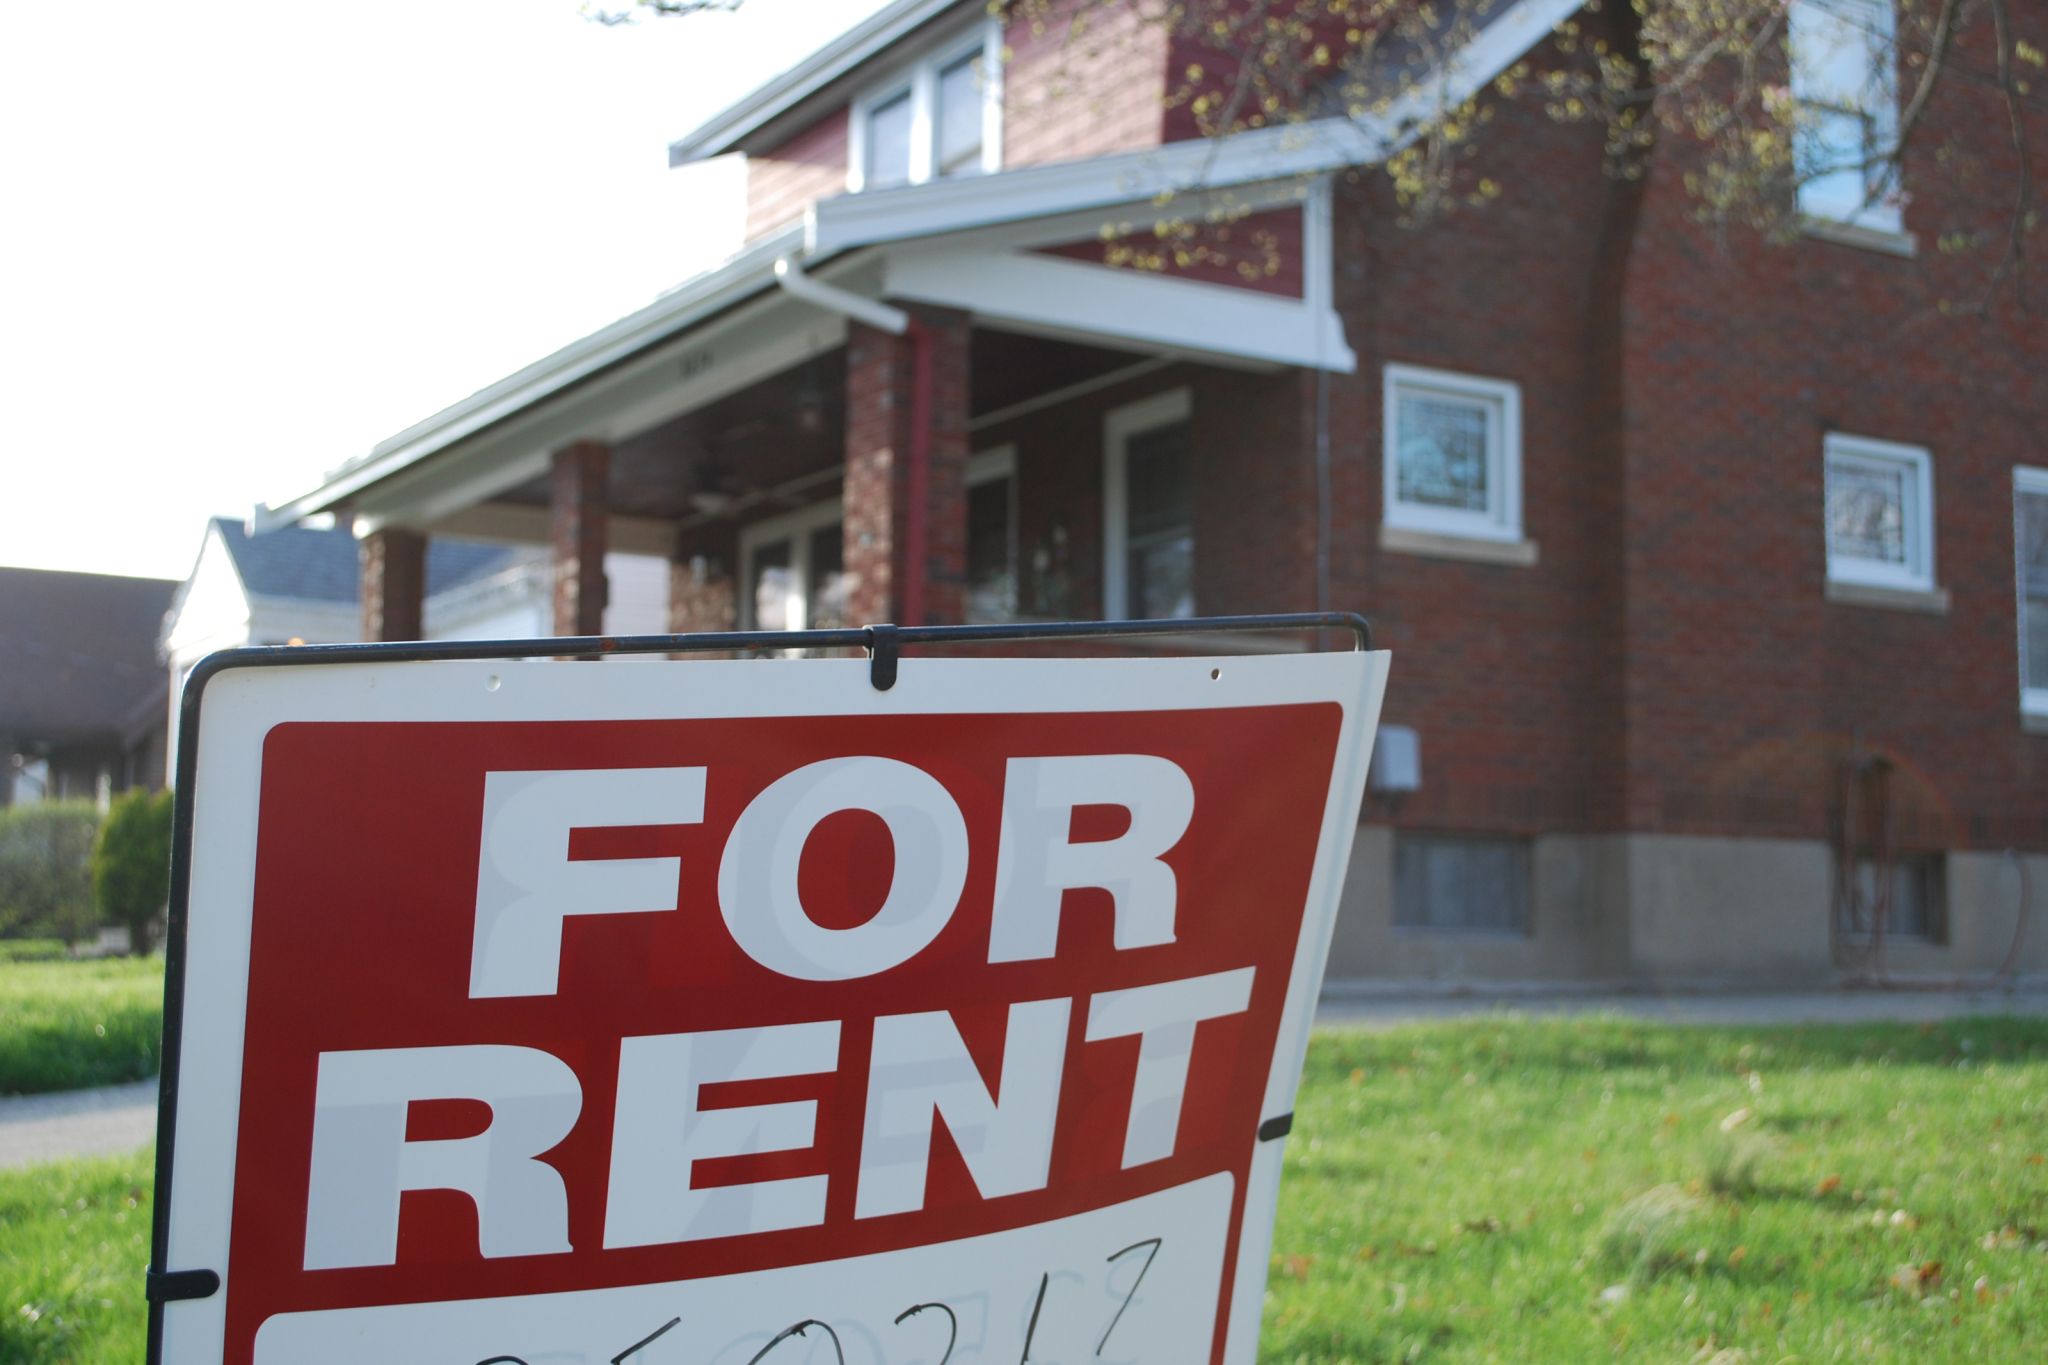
point(81, 696)
point(1715, 571)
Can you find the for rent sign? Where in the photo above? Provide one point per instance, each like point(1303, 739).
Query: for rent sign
point(738, 1012)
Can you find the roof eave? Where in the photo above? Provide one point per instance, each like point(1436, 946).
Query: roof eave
point(724, 130)
point(748, 273)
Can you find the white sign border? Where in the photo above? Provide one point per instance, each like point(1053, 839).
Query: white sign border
point(240, 705)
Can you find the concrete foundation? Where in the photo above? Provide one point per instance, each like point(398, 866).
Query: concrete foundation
point(1679, 910)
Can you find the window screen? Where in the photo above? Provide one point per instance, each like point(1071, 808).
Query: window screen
point(991, 553)
point(959, 134)
point(1159, 502)
point(1463, 882)
point(774, 587)
point(888, 150)
point(1443, 451)
point(1913, 908)
point(2030, 537)
point(830, 584)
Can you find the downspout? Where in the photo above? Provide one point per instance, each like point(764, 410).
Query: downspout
point(882, 317)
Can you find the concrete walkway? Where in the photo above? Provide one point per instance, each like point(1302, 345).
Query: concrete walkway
point(119, 1118)
point(1377, 1011)
point(122, 1118)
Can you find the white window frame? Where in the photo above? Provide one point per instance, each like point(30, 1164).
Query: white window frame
point(921, 79)
point(992, 466)
point(795, 527)
point(1502, 519)
point(1881, 215)
point(1917, 573)
point(2033, 691)
point(1119, 425)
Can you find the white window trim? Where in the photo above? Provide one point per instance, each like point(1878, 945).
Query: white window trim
point(2033, 700)
point(795, 527)
point(994, 466)
point(1502, 520)
point(1882, 219)
point(921, 79)
point(1917, 574)
point(1119, 425)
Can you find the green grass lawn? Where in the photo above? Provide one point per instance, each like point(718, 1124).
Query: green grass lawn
point(1508, 1190)
point(66, 1025)
point(1594, 1190)
point(74, 1241)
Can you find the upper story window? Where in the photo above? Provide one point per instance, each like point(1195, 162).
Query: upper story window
point(1453, 453)
point(942, 116)
point(1879, 513)
point(1845, 86)
point(2030, 543)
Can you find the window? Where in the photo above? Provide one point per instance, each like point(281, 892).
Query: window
point(992, 536)
point(1879, 509)
point(1453, 453)
point(793, 572)
point(1148, 568)
point(1846, 124)
point(1913, 899)
point(942, 117)
point(1461, 882)
point(2030, 542)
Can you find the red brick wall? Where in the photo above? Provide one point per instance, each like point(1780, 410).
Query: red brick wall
point(808, 167)
point(1253, 492)
point(1087, 80)
point(1738, 357)
point(1671, 663)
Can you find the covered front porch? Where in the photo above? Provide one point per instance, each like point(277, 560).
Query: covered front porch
point(1010, 420)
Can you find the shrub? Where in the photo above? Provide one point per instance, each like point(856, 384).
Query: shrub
point(45, 878)
point(131, 864)
point(33, 950)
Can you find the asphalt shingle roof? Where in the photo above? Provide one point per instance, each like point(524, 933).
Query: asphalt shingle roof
point(77, 651)
point(320, 566)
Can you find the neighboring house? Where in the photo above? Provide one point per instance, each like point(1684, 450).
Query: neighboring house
point(81, 696)
point(1715, 572)
point(299, 585)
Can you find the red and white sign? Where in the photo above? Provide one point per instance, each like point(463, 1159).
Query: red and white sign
point(737, 1012)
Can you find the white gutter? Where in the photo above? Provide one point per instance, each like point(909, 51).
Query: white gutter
point(833, 299)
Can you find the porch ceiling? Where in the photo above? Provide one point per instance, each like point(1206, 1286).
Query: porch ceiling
point(738, 447)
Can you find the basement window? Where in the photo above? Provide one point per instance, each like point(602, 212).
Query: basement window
point(2030, 545)
point(1462, 883)
point(1879, 509)
point(1913, 905)
point(940, 117)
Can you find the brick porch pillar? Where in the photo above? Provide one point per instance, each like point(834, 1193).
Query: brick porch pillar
point(392, 565)
point(881, 382)
point(577, 526)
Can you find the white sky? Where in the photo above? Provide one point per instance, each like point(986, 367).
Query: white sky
point(241, 244)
